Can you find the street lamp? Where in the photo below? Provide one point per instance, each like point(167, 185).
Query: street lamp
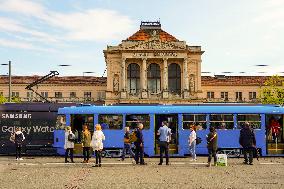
point(87, 73)
point(10, 79)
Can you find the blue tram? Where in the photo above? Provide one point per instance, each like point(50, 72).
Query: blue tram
point(227, 119)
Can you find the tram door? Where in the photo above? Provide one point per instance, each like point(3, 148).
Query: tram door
point(275, 134)
point(77, 123)
point(172, 120)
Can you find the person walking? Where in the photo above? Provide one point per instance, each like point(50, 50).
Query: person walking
point(97, 144)
point(212, 139)
point(127, 145)
point(247, 142)
point(69, 144)
point(18, 138)
point(164, 134)
point(139, 145)
point(86, 140)
point(192, 142)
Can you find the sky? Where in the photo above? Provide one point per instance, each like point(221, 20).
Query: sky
point(38, 35)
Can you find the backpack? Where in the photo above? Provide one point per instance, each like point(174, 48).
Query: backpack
point(198, 140)
point(71, 137)
point(133, 137)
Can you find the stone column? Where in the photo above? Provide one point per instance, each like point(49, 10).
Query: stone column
point(123, 78)
point(185, 79)
point(165, 83)
point(143, 82)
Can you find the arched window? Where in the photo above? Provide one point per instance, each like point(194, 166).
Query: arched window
point(154, 78)
point(133, 78)
point(174, 76)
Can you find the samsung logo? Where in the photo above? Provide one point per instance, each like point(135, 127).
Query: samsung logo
point(16, 116)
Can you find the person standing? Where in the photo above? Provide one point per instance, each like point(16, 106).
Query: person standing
point(69, 144)
point(86, 140)
point(18, 138)
point(212, 139)
point(247, 142)
point(192, 142)
point(97, 144)
point(164, 133)
point(139, 145)
point(127, 145)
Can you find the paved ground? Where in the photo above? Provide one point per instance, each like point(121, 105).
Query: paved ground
point(50, 172)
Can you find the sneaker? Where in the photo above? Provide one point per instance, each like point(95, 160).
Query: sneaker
point(95, 165)
point(251, 163)
point(21, 159)
point(193, 160)
point(17, 159)
point(208, 165)
point(160, 164)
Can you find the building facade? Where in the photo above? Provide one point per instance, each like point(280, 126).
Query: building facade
point(153, 66)
point(58, 89)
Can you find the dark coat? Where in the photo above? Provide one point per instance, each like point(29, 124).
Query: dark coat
point(19, 138)
point(212, 140)
point(140, 138)
point(247, 138)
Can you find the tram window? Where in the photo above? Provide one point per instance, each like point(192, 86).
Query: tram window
point(253, 119)
point(111, 121)
point(222, 121)
point(199, 120)
point(60, 122)
point(132, 120)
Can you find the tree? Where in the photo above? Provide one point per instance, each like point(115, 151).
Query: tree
point(4, 100)
point(273, 91)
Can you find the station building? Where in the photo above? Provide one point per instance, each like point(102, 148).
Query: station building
point(151, 66)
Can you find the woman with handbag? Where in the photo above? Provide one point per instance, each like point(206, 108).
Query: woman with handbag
point(192, 142)
point(69, 144)
point(97, 144)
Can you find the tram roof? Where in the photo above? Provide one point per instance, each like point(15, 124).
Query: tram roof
point(172, 109)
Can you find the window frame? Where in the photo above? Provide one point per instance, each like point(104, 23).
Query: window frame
point(101, 122)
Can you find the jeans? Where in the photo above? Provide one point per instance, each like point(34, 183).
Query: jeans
point(127, 148)
point(192, 149)
point(71, 154)
point(139, 153)
point(248, 150)
point(212, 152)
point(86, 153)
point(18, 150)
point(98, 157)
point(164, 148)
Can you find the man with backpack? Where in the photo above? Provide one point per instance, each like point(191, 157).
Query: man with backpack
point(247, 142)
point(127, 144)
point(18, 138)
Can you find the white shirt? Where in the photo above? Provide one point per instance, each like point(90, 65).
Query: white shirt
point(192, 137)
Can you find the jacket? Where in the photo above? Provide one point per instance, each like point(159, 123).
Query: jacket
point(212, 141)
point(19, 138)
point(68, 144)
point(247, 138)
point(140, 139)
point(97, 140)
point(86, 139)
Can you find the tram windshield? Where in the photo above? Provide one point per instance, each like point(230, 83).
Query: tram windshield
point(60, 122)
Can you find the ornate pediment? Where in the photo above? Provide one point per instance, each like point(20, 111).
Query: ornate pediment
point(153, 45)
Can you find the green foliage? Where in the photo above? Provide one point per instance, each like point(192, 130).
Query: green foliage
point(273, 91)
point(4, 100)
